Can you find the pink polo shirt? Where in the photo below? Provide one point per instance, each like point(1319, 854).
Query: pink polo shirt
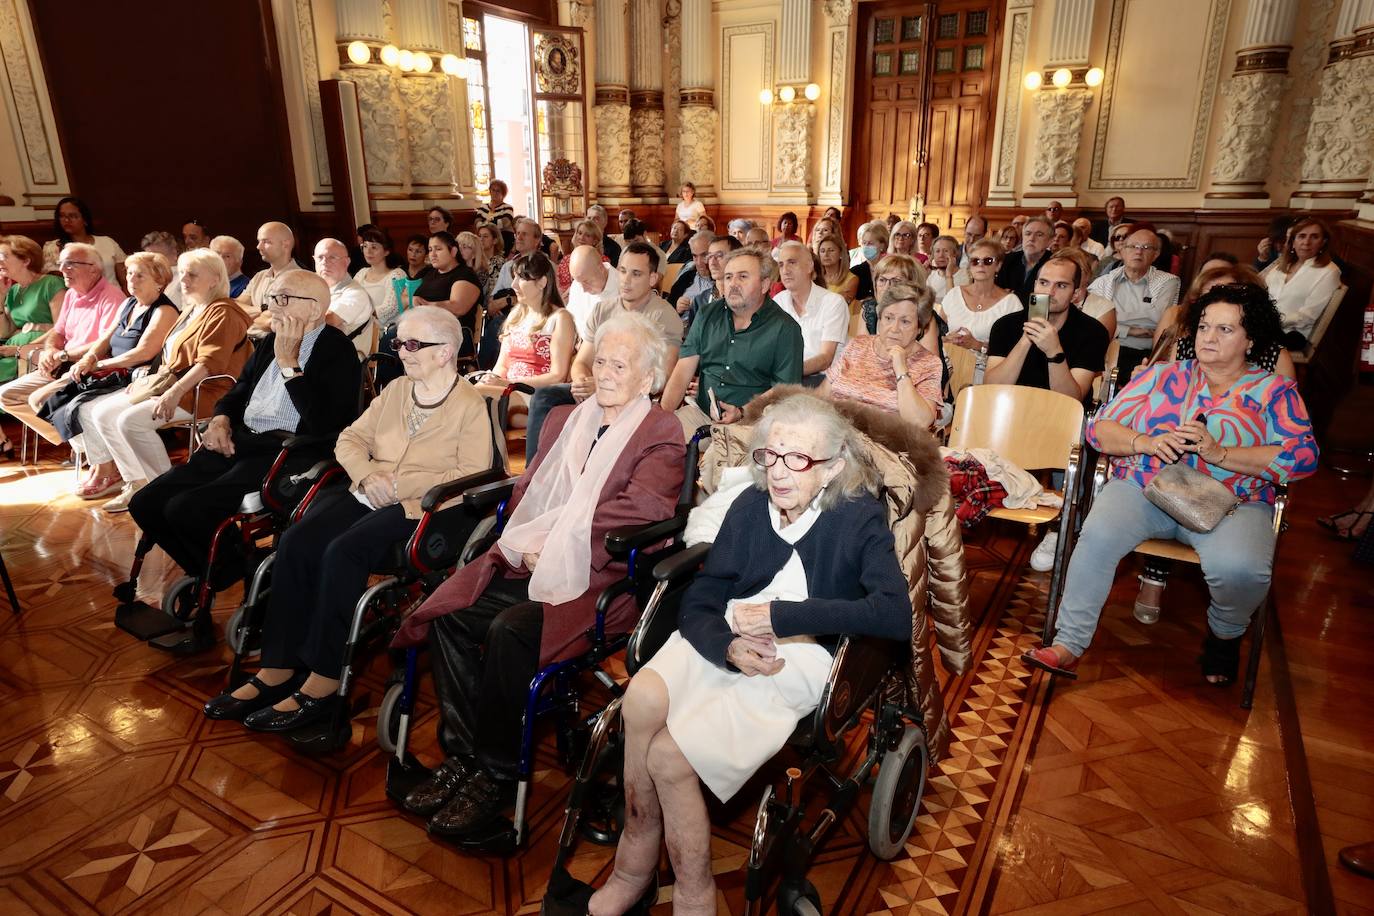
point(85, 317)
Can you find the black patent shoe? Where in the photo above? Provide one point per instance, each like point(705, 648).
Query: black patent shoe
point(1220, 659)
point(310, 711)
point(228, 706)
point(478, 801)
point(436, 791)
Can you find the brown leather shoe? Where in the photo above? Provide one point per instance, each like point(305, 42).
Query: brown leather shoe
point(435, 792)
point(1359, 859)
point(478, 801)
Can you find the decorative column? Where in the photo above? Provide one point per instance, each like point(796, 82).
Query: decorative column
point(24, 94)
point(612, 109)
point(839, 43)
point(1245, 144)
point(1006, 128)
point(466, 178)
point(646, 101)
point(1060, 111)
point(792, 120)
point(1340, 137)
point(427, 101)
point(385, 150)
point(697, 99)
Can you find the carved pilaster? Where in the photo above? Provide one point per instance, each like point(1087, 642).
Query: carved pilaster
point(646, 142)
point(429, 125)
point(1007, 123)
point(612, 147)
point(1336, 157)
point(699, 129)
point(25, 96)
point(1060, 115)
point(792, 146)
point(386, 147)
point(1246, 140)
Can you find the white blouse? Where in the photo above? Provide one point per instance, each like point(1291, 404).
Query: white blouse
point(979, 324)
point(1302, 296)
point(382, 294)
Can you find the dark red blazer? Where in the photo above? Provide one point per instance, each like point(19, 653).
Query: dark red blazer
point(643, 487)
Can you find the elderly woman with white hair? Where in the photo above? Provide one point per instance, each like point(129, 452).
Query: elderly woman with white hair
point(803, 557)
point(614, 460)
point(426, 428)
point(208, 343)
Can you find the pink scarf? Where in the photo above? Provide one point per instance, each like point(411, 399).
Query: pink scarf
point(554, 518)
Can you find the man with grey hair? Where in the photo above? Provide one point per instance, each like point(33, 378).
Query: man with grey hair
point(350, 307)
point(609, 246)
point(689, 283)
point(975, 230)
point(276, 242)
point(739, 346)
point(1020, 268)
point(1141, 293)
point(230, 251)
point(739, 227)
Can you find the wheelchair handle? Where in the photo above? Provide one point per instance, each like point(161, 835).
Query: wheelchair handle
point(620, 541)
point(313, 472)
point(442, 493)
point(682, 563)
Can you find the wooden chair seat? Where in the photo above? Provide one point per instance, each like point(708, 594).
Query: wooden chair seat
point(1168, 550)
point(1038, 515)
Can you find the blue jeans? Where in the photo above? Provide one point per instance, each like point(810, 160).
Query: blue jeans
point(1237, 557)
point(541, 402)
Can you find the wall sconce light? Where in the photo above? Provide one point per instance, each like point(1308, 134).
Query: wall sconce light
point(359, 52)
point(1062, 77)
point(786, 95)
point(451, 64)
point(391, 55)
point(1094, 77)
point(766, 97)
point(813, 92)
point(406, 60)
point(423, 62)
point(1034, 80)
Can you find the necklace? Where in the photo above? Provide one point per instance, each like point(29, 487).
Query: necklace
point(420, 412)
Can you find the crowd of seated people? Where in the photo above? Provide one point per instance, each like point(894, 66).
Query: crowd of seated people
point(623, 367)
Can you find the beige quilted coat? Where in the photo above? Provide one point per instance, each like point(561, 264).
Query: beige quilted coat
point(930, 548)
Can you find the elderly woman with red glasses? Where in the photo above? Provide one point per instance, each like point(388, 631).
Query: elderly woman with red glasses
point(426, 428)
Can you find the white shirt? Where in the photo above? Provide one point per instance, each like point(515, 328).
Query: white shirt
point(350, 302)
point(1302, 297)
point(979, 324)
point(825, 318)
point(938, 285)
point(690, 213)
point(582, 304)
point(382, 294)
point(1094, 248)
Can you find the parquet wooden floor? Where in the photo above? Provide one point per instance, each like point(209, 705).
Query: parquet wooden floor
point(1133, 790)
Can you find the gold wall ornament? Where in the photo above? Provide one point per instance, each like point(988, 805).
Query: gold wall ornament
point(558, 65)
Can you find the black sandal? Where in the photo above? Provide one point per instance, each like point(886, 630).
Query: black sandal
point(1220, 658)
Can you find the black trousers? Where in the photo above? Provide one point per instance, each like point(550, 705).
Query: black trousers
point(1126, 361)
point(322, 566)
point(541, 402)
point(181, 509)
point(484, 658)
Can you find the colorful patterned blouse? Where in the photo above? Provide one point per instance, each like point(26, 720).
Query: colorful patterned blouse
point(529, 352)
point(1260, 409)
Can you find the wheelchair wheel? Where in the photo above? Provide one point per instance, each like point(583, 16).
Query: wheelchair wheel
point(799, 899)
point(179, 601)
point(897, 795)
point(389, 717)
point(236, 632)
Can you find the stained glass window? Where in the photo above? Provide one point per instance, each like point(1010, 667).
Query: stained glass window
point(883, 30)
point(973, 57)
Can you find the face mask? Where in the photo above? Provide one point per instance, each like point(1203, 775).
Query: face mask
point(870, 252)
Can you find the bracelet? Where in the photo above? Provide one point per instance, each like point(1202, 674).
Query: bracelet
point(1133, 439)
point(1225, 453)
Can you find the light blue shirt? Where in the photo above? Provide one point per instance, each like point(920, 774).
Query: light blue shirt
point(271, 408)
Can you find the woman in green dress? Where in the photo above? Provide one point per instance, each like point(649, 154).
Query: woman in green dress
point(31, 303)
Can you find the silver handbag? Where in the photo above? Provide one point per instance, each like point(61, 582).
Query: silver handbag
point(1195, 500)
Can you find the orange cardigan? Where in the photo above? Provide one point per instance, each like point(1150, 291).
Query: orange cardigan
point(217, 339)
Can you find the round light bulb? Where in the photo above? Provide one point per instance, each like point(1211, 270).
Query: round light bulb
point(451, 64)
point(787, 94)
point(358, 52)
point(1033, 80)
point(1062, 77)
point(1094, 77)
point(390, 55)
point(406, 61)
point(423, 63)
point(766, 96)
point(813, 91)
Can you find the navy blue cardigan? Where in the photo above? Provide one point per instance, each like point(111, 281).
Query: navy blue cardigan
point(852, 576)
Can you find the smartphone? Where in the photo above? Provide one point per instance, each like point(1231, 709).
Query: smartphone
point(1040, 306)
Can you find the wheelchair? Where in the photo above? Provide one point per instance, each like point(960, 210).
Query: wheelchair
point(554, 689)
point(864, 677)
point(182, 624)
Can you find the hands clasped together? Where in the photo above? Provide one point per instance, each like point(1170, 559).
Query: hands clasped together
point(1190, 436)
point(755, 649)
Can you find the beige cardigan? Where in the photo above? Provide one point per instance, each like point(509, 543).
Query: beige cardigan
point(454, 442)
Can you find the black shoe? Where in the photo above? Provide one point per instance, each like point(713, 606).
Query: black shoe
point(479, 801)
point(311, 710)
point(436, 791)
point(1220, 658)
point(228, 706)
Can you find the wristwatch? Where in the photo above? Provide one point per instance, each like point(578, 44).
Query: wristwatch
point(1057, 358)
point(288, 374)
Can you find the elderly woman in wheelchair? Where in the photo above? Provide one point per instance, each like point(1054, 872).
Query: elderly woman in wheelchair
point(1212, 436)
point(424, 429)
point(614, 460)
point(802, 558)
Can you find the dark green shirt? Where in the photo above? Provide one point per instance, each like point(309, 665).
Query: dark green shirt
point(742, 364)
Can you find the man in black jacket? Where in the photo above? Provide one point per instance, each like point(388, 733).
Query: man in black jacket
point(303, 379)
point(1020, 268)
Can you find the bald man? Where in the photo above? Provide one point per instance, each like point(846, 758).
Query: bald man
point(594, 282)
point(276, 242)
point(350, 307)
point(301, 380)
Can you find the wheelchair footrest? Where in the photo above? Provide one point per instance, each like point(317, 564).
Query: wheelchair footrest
point(143, 621)
point(497, 838)
point(321, 738)
point(401, 778)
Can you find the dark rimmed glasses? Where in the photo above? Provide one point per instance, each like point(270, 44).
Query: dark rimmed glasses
point(282, 300)
point(793, 461)
point(413, 345)
point(985, 262)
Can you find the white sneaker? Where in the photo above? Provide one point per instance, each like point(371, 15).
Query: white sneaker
point(121, 502)
point(1042, 559)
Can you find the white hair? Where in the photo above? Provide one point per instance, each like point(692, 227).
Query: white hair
point(203, 259)
point(440, 323)
point(228, 241)
point(649, 344)
point(838, 440)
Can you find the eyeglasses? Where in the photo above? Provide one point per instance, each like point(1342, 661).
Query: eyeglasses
point(793, 461)
point(986, 262)
point(413, 346)
point(901, 235)
point(1118, 239)
point(281, 300)
point(1143, 247)
point(66, 265)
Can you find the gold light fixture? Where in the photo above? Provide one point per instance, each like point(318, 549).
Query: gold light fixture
point(787, 94)
point(813, 92)
point(359, 52)
point(1094, 77)
point(765, 96)
point(406, 60)
point(423, 62)
point(1062, 77)
point(451, 64)
point(391, 55)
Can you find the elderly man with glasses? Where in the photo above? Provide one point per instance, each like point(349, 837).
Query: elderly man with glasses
point(1141, 292)
point(89, 308)
point(350, 308)
point(1021, 267)
point(301, 380)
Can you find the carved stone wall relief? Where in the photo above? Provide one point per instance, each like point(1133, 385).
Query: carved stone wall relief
point(792, 144)
point(21, 64)
point(429, 124)
point(385, 144)
point(699, 128)
point(646, 139)
point(1342, 126)
point(1056, 141)
point(1247, 128)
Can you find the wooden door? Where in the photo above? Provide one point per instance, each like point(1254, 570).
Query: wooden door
point(926, 91)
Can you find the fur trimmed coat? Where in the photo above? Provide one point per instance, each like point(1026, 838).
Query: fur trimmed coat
point(930, 547)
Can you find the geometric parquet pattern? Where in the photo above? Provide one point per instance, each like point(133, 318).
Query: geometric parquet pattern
point(1132, 790)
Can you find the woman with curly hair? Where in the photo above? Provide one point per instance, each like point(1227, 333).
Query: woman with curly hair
point(1171, 341)
point(1223, 415)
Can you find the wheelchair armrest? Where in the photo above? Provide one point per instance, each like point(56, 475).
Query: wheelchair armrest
point(315, 471)
point(308, 442)
point(444, 492)
point(681, 564)
point(620, 541)
point(488, 496)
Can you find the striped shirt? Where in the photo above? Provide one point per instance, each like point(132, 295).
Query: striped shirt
point(270, 407)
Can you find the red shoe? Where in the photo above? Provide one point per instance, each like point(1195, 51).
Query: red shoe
point(1055, 659)
point(100, 487)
